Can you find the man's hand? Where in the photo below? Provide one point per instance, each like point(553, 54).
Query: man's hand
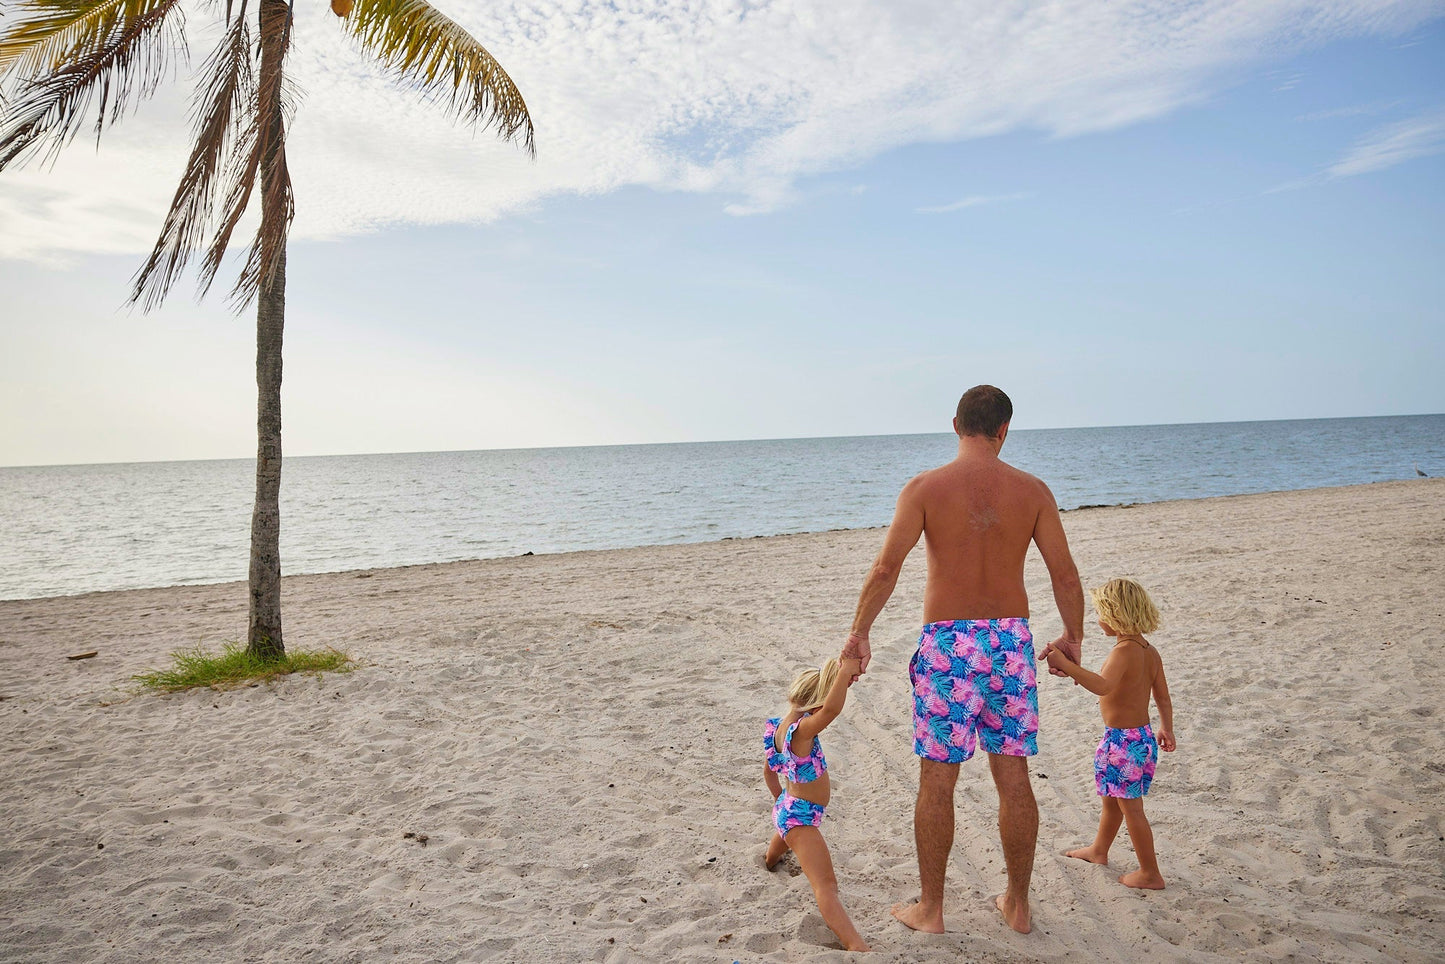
point(1166, 740)
point(857, 648)
point(1072, 649)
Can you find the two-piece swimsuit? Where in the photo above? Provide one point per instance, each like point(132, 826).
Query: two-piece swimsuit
point(790, 811)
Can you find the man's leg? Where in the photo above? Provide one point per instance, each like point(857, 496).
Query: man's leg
point(1018, 830)
point(933, 836)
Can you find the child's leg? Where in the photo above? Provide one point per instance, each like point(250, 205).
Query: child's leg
point(812, 852)
point(776, 849)
point(1147, 876)
point(1109, 820)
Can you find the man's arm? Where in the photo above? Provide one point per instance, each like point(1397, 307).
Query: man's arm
point(1068, 591)
point(903, 533)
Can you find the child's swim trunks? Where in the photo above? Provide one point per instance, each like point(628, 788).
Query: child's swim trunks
point(790, 811)
point(972, 679)
point(1124, 762)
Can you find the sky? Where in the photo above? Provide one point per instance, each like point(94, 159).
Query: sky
point(770, 220)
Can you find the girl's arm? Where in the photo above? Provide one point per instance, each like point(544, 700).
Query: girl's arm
point(775, 787)
point(1166, 708)
point(818, 721)
point(1101, 683)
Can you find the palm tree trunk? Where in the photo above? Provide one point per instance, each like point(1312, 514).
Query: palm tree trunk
point(264, 635)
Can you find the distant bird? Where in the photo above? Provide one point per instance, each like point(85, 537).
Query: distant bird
point(1420, 474)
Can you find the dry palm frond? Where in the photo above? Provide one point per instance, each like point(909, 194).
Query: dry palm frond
point(126, 62)
point(426, 49)
point(262, 154)
point(44, 34)
point(222, 105)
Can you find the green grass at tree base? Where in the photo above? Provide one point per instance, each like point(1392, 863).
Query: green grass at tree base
point(234, 666)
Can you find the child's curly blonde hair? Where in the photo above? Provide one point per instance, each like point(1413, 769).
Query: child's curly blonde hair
point(811, 687)
point(1125, 606)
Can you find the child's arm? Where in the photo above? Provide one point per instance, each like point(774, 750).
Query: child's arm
point(775, 787)
point(819, 719)
point(1101, 683)
point(1166, 708)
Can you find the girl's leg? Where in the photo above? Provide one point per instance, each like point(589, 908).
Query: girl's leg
point(1109, 820)
point(1147, 876)
point(812, 853)
point(776, 849)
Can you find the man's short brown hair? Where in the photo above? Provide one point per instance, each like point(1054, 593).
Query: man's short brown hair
point(983, 410)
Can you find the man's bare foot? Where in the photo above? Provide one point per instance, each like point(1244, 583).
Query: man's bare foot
point(1141, 880)
point(918, 917)
point(1015, 913)
point(1090, 854)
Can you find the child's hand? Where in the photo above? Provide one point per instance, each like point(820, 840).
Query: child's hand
point(1058, 659)
point(1166, 740)
point(851, 667)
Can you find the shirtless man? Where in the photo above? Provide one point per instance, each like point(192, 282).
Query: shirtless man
point(973, 673)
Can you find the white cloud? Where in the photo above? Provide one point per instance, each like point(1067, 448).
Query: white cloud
point(736, 97)
point(1418, 136)
point(973, 201)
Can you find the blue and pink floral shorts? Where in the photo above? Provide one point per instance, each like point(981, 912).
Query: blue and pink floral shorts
point(1124, 762)
point(973, 679)
point(790, 811)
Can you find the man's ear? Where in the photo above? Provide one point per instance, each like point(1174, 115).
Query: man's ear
point(955, 425)
point(1003, 433)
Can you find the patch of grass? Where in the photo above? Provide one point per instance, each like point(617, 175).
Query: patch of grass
point(236, 667)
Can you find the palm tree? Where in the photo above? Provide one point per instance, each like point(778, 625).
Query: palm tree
point(63, 61)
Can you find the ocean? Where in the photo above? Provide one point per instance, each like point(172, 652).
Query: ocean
point(85, 528)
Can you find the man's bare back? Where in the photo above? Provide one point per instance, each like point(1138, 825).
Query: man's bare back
point(979, 516)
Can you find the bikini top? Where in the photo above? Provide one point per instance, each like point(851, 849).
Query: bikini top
point(795, 769)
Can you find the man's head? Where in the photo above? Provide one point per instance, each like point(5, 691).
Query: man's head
point(983, 410)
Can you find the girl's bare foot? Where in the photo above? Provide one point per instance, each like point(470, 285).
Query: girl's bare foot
point(920, 918)
point(1090, 854)
point(1141, 880)
point(860, 946)
point(1015, 913)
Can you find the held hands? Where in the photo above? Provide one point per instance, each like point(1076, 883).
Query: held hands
point(857, 648)
point(1166, 740)
point(851, 668)
point(1062, 648)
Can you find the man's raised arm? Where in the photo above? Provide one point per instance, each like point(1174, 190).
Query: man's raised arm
point(903, 533)
point(1068, 591)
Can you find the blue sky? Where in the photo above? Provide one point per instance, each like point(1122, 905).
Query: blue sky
point(1194, 213)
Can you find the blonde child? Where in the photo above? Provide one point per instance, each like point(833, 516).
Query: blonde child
point(1124, 762)
point(794, 750)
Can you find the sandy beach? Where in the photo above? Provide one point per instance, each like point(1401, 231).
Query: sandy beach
point(556, 758)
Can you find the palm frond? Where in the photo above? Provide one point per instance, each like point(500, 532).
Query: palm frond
point(125, 63)
point(262, 155)
point(46, 33)
point(425, 49)
point(226, 92)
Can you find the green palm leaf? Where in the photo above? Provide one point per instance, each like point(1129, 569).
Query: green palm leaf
point(46, 33)
point(424, 48)
point(124, 61)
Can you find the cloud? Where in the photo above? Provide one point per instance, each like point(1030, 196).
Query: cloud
point(737, 98)
point(1393, 144)
point(974, 201)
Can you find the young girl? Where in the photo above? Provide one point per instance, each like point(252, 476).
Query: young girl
point(1124, 762)
point(794, 750)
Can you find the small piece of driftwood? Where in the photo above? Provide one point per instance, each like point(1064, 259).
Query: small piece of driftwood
point(93, 652)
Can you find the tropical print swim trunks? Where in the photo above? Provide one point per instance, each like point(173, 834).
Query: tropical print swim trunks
point(1124, 762)
point(790, 811)
point(973, 679)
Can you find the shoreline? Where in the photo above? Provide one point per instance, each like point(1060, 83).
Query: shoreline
point(1066, 513)
point(577, 738)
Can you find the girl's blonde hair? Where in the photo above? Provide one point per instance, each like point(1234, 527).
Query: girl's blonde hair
point(811, 687)
point(1125, 606)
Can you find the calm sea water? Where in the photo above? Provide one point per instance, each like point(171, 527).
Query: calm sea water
point(81, 528)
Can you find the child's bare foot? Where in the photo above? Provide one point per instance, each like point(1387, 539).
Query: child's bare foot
point(1141, 880)
point(1015, 913)
point(1090, 854)
point(861, 945)
point(920, 918)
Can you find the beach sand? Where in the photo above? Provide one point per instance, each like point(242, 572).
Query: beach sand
point(578, 738)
